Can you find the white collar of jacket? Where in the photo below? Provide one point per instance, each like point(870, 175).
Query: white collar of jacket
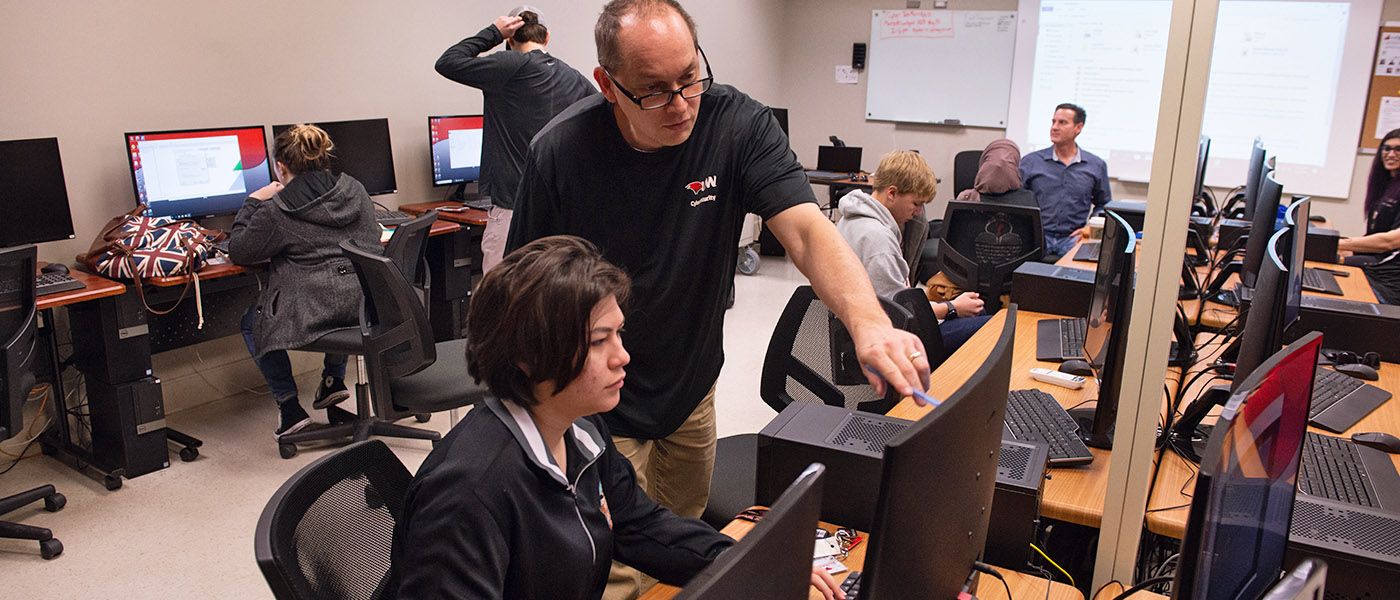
point(857, 203)
point(517, 419)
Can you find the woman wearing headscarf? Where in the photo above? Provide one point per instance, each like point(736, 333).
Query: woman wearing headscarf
point(999, 177)
point(1376, 251)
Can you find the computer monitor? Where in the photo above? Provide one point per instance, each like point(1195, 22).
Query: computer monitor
point(1252, 175)
point(774, 560)
point(1237, 530)
point(455, 143)
point(841, 159)
point(1202, 155)
point(18, 324)
point(362, 150)
point(197, 172)
point(781, 114)
point(1261, 228)
point(33, 195)
point(1106, 329)
point(936, 484)
point(1278, 294)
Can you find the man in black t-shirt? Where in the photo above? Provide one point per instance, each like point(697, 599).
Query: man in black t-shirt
point(659, 173)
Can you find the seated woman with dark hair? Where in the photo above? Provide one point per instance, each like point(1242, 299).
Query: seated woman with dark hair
point(527, 497)
point(1376, 251)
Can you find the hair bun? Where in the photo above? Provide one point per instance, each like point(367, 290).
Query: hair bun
point(529, 17)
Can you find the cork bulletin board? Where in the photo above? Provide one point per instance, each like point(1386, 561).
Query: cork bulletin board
point(1383, 106)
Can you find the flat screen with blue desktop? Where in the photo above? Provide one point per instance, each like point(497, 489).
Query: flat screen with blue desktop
point(197, 172)
point(33, 195)
point(456, 148)
point(362, 150)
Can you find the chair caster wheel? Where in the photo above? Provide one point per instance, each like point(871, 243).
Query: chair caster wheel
point(55, 502)
point(422, 417)
point(748, 262)
point(189, 453)
point(50, 548)
point(112, 482)
point(287, 450)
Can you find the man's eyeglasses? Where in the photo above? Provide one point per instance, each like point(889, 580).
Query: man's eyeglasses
point(659, 99)
point(1390, 148)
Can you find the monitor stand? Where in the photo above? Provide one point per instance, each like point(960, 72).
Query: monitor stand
point(223, 222)
point(1084, 417)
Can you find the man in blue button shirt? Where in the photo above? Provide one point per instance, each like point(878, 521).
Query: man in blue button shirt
point(1070, 184)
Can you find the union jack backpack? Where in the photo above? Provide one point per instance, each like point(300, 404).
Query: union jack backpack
point(134, 246)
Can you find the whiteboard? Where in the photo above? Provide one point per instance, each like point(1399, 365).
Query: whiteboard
point(940, 66)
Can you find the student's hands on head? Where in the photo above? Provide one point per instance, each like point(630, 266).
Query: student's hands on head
point(508, 25)
point(826, 585)
point(968, 304)
point(267, 191)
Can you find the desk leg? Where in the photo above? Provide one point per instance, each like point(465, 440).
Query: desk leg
point(58, 441)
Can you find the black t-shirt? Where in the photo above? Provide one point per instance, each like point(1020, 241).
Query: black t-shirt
point(1385, 274)
point(672, 220)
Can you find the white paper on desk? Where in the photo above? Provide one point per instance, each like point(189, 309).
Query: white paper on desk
point(1389, 117)
point(826, 547)
point(847, 74)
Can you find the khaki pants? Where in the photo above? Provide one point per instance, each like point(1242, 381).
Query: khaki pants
point(674, 471)
point(493, 238)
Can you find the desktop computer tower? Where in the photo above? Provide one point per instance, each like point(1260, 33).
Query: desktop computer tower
point(1361, 546)
point(454, 265)
point(1132, 211)
point(851, 444)
point(1043, 288)
point(1360, 327)
point(128, 424)
point(111, 337)
point(1321, 245)
point(1231, 230)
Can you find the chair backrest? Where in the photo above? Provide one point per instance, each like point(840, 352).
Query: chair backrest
point(398, 337)
point(923, 323)
point(408, 246)
point(965, 165)
point(328, 530)
point(983, 242)
point(811, 358)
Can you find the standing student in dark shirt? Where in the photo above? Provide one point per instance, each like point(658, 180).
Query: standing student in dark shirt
point(1376, 252)
point(523, 88)
point(527, 498)
point(659, 172)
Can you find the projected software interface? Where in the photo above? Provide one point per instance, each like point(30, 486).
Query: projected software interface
point(197, 173)
point(456, 144)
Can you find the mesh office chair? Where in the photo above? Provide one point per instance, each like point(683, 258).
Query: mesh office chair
point(983, 242)
point(409, 374)
point(18, 330)
point(409, 245)
point(810, 358)
point(923, 323)
point(328, 530)
point(965, 165)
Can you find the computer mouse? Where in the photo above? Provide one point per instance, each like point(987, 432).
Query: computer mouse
point(1077, 367)
point(1379, 440)
point(1358, 371)
point(54, 268)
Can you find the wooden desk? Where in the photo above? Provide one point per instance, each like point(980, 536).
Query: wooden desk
point(95, 286)
point(1169, 504)
point(470, 216)
point(988, 588)
point(1073, 494)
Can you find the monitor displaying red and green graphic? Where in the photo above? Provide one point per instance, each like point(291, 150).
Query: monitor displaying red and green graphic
point(197, 173)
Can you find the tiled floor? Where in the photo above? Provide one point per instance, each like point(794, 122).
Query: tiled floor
point(187, 531)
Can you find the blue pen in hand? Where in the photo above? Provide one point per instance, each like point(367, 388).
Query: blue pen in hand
point(918, 395)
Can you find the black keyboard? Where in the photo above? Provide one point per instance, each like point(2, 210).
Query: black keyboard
point(1329, 387)
point(851, 585)
point(1072, 337)
point(1317, 280)
point(1332, 469)
point(390, 218)
point(1035, 416)
point(1088, 252)
point(53, 283)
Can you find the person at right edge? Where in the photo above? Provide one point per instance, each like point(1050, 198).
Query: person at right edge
point(659, 172)
point(523, 87)
point(1070, 183)
point(1376, 251)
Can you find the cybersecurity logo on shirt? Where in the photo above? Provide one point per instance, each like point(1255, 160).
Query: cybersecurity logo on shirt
point(698, 187)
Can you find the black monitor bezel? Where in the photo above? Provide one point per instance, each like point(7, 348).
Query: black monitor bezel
point(131, 166)
point(20, 231)
point(433, 176)
point(1254, 171)
point(1118, 263)
point(1261, 227)
point(386, 157)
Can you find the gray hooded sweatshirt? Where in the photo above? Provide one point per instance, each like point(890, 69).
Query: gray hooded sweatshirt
point(874, 235)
